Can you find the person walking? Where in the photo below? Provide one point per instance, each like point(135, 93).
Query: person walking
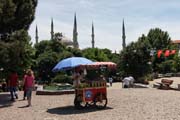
point(13, 83)
point(29, 85)
point(110, 81)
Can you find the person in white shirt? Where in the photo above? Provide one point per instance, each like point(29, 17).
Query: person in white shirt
point(131, 81)
point(126, 82)
point(76, 78)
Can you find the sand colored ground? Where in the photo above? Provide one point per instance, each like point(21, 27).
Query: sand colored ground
point(123, 104)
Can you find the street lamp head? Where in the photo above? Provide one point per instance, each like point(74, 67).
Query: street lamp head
point(152, 52)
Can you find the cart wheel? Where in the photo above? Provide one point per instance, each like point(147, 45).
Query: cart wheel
point(100, 101)
point(78, 103)
point(89, 104)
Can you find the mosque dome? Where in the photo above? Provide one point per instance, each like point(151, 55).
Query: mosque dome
point(64, 40)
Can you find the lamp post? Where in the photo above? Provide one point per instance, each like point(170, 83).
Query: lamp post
point(1, 69)
point(152, 52)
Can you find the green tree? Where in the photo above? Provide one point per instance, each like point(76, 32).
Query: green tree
point(75, 52)
point(135, 58)
point(158, 39)
point(111, 56)
point(177, 63)
point(95, 54)
point(45, 62)
point(15, 18)
point(17, 53)
point(15, 15)
point(49, 45)
point(167, 66)
point(48, 54)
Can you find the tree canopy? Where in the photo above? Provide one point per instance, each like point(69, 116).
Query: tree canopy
point(16, 15)
point(136, 59)
point(16, 50)
point(158, 39)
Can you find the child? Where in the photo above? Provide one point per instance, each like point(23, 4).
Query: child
point(110, 81)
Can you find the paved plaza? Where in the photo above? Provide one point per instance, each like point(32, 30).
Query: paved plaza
point(123, 104)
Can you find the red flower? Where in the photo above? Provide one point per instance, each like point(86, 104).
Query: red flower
point(159, 53)
point(167, 53)
point(173, 52)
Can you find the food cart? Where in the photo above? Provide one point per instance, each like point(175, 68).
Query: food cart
point(93, 92)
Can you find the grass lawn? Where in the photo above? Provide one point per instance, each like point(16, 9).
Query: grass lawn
point(58, 87)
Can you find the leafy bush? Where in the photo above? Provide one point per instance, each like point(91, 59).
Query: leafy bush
point(58, 86)
point(149, 77)
point(61, 78)
point(145, 79)
point(167, 66)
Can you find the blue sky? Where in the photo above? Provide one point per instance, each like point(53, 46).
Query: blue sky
point(139, 15)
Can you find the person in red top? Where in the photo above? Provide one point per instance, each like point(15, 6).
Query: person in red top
point(13, 83)
point(29, 85)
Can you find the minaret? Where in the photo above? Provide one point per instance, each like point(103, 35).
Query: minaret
point(36, 37)
point(92, 35)
point(75, 34)
point(123, 36)
point(52, 29)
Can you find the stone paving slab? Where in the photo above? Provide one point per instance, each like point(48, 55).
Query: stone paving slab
point(123, 104)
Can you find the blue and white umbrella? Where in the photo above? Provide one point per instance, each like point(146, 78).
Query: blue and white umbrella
point(71, 62)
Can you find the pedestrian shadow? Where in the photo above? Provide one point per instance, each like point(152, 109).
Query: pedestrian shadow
point(21, 100)
point(26, 106)
point(67, 110)
point(5, 100)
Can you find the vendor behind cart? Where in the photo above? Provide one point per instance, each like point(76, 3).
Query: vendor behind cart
point(76, 77)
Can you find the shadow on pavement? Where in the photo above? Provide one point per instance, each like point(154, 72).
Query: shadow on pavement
point(140, 86)
point(5, 100)
point(170, 88)
point(67, 110)
point(26, 106)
